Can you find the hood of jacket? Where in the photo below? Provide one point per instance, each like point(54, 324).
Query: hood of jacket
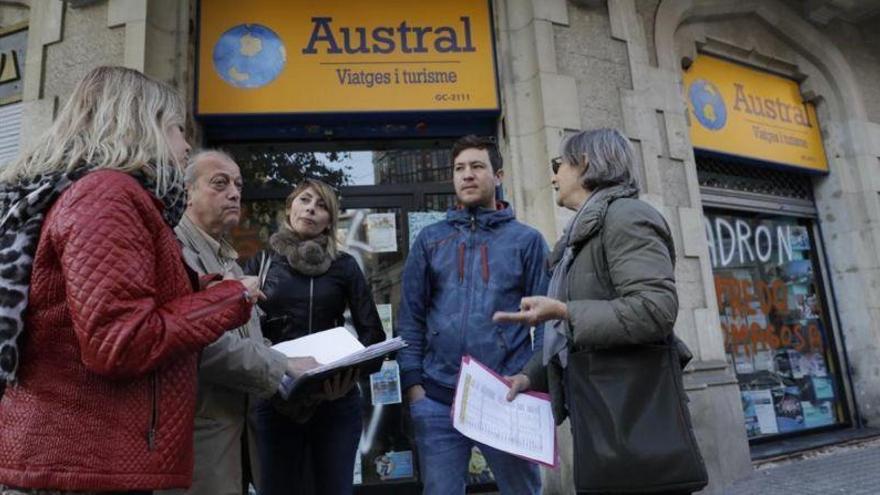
point(483, 218)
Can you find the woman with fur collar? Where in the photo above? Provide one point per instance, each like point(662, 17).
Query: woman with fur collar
point(308, 287)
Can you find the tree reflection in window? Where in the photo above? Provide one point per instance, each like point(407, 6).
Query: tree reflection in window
point(265, 168)
point(269, 175)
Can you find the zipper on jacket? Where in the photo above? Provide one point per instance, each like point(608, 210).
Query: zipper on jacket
point(212, 308)
point(154, 412)
point(468, 274)
point(311, 300)
point(484, 263)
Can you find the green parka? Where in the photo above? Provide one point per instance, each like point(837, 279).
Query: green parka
point(620, 287)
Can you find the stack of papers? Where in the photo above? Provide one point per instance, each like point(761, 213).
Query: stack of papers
point(337, 350)
point(523, 427)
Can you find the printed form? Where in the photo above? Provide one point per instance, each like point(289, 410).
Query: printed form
point(523, 427)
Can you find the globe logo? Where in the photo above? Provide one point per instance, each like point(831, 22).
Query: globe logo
point(249, 56)
point(707, 104)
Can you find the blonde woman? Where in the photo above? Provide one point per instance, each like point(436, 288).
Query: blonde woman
point(100, 327)
point(308, 287)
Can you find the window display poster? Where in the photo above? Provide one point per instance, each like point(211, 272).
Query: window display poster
point(759, 405)
point(789, 411)
point(782, 363)
point(744, 364)
point(823, 389)
point(394, 465)
point(751, 417)
point(418, 220)
point(800, 365)
point(382, 232)
point(764, 361)
point(818, 413)
point(817, 365)
point(799, 238)
point(385, 384)
point(386, 315)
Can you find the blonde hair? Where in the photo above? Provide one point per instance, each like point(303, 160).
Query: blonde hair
point(331, 201)
point(115, 119)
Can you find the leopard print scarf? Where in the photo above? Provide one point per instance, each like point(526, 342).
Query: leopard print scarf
point(23, 206)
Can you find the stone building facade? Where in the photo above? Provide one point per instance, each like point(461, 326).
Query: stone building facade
point(581, 64)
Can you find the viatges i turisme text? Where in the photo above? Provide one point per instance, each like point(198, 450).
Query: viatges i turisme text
point(774, 137)
point(369, 79)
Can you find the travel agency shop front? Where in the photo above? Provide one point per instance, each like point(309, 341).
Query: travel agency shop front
point(755, 126)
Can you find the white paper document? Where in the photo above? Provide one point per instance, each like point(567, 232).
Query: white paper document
point(523, 427)
point(336, 349)
point(326, 347)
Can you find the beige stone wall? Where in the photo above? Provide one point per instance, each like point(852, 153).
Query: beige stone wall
point(14, 12)
point(64, 43)
point(536, 102)
point(860, 46)
point(85, 43)
point(586, 52)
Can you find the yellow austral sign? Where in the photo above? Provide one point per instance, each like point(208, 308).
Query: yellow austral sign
point(744, 112)
point(314, 56)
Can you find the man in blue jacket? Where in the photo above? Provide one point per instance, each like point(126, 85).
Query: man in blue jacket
point(458, 273)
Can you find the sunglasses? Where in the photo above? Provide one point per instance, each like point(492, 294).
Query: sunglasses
point(555, 163)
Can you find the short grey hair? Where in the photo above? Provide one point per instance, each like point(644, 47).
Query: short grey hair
point(605, 154)
point(189, 174)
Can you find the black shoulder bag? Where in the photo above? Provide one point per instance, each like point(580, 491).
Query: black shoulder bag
point(630, 420)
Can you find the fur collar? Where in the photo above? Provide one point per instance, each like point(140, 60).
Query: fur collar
point(307, 256)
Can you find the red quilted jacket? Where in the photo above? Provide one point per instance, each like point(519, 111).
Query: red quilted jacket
point(107, 385)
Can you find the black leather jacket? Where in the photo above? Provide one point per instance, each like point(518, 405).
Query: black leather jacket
point(297, 304)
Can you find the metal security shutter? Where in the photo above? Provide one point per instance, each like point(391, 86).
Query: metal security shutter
point(10, 130)
point(731, 183)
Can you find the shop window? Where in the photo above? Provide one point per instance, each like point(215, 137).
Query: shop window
point(775, 321)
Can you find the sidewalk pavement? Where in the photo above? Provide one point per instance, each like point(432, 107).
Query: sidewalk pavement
point(852, 469)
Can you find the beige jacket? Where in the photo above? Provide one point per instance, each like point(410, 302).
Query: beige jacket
point(237, 366)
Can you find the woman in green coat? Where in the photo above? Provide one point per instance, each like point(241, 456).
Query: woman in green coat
point(613, 287)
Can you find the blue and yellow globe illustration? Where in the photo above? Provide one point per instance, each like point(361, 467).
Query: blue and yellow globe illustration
point(249, 56)
point(707, 104)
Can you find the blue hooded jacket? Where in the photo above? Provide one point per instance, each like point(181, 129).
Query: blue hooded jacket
point(458, 274)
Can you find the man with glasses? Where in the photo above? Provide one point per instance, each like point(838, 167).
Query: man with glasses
point(458, 273)
point(239, 364)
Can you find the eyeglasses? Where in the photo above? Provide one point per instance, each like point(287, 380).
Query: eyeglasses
point(555, 163)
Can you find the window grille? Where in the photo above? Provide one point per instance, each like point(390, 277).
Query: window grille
point(733, 175)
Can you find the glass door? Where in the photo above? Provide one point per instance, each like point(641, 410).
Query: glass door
point(388, 194)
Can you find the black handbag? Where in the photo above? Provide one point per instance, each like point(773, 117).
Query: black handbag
point(630, 421)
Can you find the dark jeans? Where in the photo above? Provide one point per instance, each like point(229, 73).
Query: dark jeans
point(329, 439)
point(444, 454)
